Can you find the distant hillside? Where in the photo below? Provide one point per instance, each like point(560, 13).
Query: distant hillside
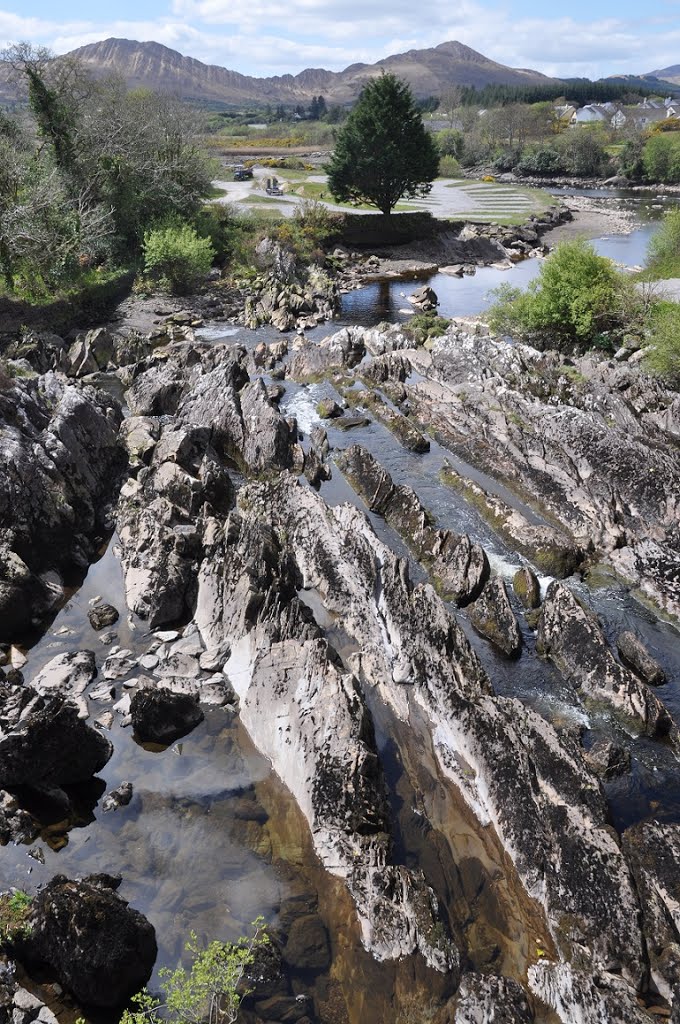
point(428, 72)
point(653, 82)
point(671, 74)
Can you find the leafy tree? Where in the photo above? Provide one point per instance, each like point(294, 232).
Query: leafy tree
point(661, 158)
point(383, 152)
point(450, 142)
point(210, 992)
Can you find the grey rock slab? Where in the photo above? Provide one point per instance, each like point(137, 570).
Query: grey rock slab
point(68, 673)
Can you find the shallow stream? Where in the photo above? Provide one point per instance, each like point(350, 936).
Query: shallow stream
point(211, 838)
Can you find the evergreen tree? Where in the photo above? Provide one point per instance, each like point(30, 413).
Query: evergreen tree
point(383, 152)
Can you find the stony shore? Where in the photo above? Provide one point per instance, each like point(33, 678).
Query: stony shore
point(377, 595)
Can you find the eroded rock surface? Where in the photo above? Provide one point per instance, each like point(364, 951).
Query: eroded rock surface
point(60, 464)
point(569, 634)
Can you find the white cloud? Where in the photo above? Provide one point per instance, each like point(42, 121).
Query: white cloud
point(335, 33)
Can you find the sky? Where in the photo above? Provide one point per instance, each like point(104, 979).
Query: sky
point(272, 37)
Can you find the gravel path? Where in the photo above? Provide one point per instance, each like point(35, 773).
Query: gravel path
point(459, 200)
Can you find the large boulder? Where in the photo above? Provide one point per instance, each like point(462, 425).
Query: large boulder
point(493, 617)
point(161, 716)
point(101, 949)
point(43, 741)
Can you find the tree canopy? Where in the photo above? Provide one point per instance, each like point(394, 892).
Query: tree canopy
point(383, 152)
point(86, 170)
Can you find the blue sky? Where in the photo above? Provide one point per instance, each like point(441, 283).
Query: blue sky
point(268, 37)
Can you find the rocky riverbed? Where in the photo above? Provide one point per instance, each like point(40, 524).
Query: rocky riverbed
point(372, 565)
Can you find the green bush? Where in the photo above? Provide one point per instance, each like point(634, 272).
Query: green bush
point(577, 298)
point(177, 257)
point(311, 229)
point(661, 158)
point(663, 251)
point(449, 167)
point(542, 162)
point(210, 992)
point(663, 354)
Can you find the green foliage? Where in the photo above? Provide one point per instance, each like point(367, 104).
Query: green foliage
point(663, 353)
point(543, 162)
point(663, 251)
point(577, 298)
point(576, 90)
point(450, 142)
point(383, 151)
point(210, 992)
point(661, 158)
point(86, 172)
point(177, 257)
point(449, 167)
point(15, 907)
point(630, 159)
point(311, 228)
point(430, 324)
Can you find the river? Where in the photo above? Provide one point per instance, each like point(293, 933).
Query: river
point(212, 839)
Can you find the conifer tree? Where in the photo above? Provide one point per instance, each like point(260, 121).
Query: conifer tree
point(383, 152)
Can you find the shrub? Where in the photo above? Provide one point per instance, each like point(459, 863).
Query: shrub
point(210, 992)
point(577, 298)
point(430, 324)
point(542, 162)
point(311, 228)
point(449, 167)
point(663, 354)
point(663, 251)
point(176, 257)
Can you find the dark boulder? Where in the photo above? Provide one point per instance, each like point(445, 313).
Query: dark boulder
point(42, 740)
point(608, 759)
point(101, 949)
point(161, 716)
point(526, 587)
point(102, 615)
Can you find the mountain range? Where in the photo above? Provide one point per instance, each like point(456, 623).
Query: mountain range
point(429, 72)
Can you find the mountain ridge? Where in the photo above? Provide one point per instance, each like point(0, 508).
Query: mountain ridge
point(428, 71)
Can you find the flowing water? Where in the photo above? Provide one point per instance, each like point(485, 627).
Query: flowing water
point(212, 839)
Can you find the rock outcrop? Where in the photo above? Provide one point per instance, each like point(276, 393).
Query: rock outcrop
point(459, 566)
point(161, 716)
point(569, 634)
point(510, 766)
point(60, 464)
